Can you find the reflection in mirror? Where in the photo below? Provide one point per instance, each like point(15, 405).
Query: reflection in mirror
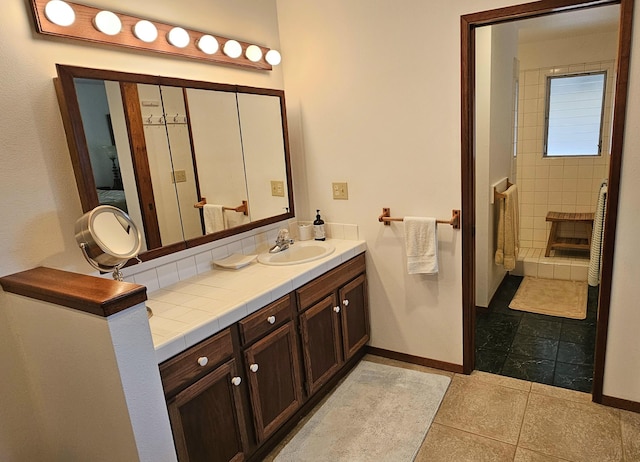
point(156, 146)
point(217, 141)
point(104, 124)
point(261, 124)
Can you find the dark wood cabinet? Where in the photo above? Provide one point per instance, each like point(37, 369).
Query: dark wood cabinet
point(273, 374)
point(336, 327)
point(354, 314)
point(207, 418)
point(231, 396)
point(321, 346)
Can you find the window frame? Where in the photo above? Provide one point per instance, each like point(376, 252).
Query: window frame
point(549, 78)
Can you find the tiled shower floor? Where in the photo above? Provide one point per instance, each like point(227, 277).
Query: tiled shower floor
point(534, 347)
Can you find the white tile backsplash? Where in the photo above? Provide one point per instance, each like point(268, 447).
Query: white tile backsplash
point(148, 278)
point(184, 265)
point(187, 268)
point(167, 274)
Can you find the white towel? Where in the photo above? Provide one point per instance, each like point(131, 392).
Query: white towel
point(595, 254)
point(213, 218)
point(508, 241)
point(421, 242)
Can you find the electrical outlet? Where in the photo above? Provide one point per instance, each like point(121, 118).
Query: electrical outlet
point(277, 188)
point(179, 176)
point(340, 191)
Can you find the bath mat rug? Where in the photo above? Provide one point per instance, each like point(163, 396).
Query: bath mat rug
point(378, 413)
point(553, 297)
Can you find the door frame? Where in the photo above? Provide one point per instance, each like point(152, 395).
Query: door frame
point(468, 25)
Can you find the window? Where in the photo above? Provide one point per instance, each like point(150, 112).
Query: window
point(573, 119)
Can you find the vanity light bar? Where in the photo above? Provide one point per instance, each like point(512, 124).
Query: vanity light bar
point(112, 28)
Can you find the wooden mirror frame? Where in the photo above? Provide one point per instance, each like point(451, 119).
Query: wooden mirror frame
point(79, 151)
point(468, 25)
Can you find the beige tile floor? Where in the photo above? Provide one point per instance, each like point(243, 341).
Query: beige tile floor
point(486, 417)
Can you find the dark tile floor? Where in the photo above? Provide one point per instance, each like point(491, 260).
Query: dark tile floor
point(535, 347)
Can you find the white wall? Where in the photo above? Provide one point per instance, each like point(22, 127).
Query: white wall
point(622, 370)
point(494, 145)
point(373, 95)
point(40, 201)
point(95, 383)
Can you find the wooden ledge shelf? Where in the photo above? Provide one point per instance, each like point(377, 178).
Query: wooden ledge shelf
point(99, 296)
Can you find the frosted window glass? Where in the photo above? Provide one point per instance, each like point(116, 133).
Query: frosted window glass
point(574, 115)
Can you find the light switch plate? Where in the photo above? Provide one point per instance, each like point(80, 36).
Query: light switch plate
point(340, 191)
point(277, 188)
point(179, 176)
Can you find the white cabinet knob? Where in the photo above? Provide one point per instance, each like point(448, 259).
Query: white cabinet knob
point(254, 367)
point(336, 309)
point(236, 381)
point(345, 302)
point(271, 319)
point(203, 361)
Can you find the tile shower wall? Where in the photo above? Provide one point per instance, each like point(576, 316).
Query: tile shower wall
point(555, 184)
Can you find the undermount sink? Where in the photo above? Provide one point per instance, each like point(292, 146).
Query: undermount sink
point(298, 252)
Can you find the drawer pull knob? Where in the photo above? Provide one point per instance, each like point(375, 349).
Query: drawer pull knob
point(203, 361)
point(336, 309)
point(254, 367)
point(271, 319)
point(345, 302)
point(236, 381)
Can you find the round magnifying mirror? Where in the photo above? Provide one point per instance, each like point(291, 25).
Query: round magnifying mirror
point(108, 239)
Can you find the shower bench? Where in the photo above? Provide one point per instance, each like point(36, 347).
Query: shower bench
point(568, 243)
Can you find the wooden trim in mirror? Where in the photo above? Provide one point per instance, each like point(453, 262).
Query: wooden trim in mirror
point(133, 118)
point(468, 25)
point(79, 150)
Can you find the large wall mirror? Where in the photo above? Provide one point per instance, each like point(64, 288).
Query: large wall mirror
point(189, 161)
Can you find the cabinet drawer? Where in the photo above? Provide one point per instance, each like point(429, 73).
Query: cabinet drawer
point(320, 287)
point(183, 369)
point(265, 320)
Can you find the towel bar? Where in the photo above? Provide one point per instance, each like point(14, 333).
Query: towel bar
point(498, 195)
point(244, 208)
point(454, 221)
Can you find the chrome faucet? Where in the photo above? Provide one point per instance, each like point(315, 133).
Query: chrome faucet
point(282, 241)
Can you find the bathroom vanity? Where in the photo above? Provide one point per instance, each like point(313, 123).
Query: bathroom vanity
point(229, 394)
point(226, 388)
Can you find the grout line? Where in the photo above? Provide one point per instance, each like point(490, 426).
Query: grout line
point(526, 407)
point(493, 438)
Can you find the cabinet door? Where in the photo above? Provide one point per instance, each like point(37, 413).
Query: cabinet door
point(354, 315)
point(320, 329)
point(274, 379)
point(207, 418)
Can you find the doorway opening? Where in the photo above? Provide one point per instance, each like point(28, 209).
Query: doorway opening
point(536, 234)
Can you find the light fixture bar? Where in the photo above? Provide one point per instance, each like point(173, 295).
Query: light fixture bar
point(83, 29)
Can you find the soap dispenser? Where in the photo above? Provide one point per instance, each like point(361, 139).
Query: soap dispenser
point(318, 228)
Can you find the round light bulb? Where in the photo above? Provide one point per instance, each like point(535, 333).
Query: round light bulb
point(253, 53)
point(145, 31)
point(273, 57)
point(208, 44)
point(232, 49)
point(59, 13)
point(107, 23)
point(178, 37)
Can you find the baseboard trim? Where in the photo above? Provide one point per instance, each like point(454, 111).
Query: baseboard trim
point(620, 403)
point(420, 361)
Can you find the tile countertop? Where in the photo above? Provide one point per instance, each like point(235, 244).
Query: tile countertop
point(189, 311)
